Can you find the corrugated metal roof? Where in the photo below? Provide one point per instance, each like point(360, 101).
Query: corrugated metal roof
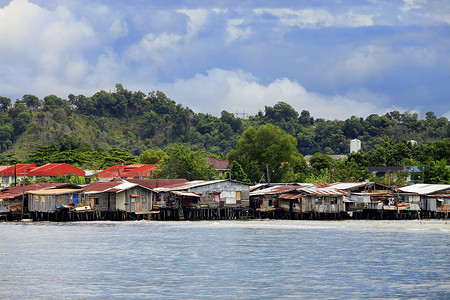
point(348, 185)
point(155, 183)
point(273, 190)
point(187, 185)
point(290, 196)
point(54, 191)
point(110, 186)
point(424, 189)
point(322, 191)
point(187, 194)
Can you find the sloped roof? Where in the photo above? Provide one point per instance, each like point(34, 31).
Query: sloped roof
point(155, 183)
point(322, 191)
point(424, 189)
point(55, 191)
point(186, 194)
point(288, 196)
point(219, 164)
point(17, 191)
point(274, 190)
point(190, 184)
point(110, 186)
point(127, 171)
point(55, 169)
point(19, 169)
point(349, 185)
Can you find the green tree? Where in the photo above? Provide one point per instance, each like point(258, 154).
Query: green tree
point(5, 103)
point(265, 152)
point(237, 173)
point(152, 156)
point(319, 162)
point(31, 101)
point(181, 162)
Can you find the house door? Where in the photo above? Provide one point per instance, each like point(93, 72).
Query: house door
point(75, 199)
point(138, 206)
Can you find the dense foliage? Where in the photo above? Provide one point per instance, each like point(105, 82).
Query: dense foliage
point(94, 132)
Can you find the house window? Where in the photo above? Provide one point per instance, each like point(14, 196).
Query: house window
point(238, 195)
point(42, 199)
point(333, 200)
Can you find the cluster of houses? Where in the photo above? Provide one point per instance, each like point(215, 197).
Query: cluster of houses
point(125, 189)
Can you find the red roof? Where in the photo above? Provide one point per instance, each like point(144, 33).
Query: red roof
point(219, 164)
point(15, 191)
point(55, 169)
point(18, 168)
point(128, 171)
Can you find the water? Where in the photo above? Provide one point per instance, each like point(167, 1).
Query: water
point(225, 260)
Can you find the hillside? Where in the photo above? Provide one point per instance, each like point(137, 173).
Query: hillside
point(135, 121)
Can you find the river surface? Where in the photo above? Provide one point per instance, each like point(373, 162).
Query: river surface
point(264, 259)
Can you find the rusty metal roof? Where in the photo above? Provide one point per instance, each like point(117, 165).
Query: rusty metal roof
point(290, 196)
point(322, 191)
point(274, 190)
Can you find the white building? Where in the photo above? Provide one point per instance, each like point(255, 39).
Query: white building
point(355, 145)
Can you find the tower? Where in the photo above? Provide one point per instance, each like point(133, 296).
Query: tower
point(355, 145)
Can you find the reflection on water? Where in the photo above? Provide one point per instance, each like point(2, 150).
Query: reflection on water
point(225, 259)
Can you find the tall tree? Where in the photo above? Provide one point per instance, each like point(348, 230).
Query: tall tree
point(181, 162)
point(265, 152)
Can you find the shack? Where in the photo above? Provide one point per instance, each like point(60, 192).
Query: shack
point(15, 198)
point(118, 195)
point(48, 200)
point(267, 199)
point(429, 197)
point(325, 199)
point(201, 193)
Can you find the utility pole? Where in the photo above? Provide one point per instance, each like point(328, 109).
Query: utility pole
point(23, 191)
point(268, 174)
point(423, 175)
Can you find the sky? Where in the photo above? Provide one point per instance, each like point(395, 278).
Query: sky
point(336, 59)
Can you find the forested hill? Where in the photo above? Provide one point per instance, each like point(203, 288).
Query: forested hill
point(137, 121)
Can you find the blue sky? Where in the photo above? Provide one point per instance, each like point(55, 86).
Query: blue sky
point(333, 58)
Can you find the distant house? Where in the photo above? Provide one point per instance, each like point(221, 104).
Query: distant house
point(203, 193)
point(221, 165)
point(430, 197)
point(51, 170)
point(48, 200)
point(265, 199)
point(14, 197)
point(127, 172)
point(381, 171)
point(119, 195)
point(11, 175)
point(326, 199)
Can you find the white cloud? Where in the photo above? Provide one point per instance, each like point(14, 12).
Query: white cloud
point(43, 45)
point(240, 91)
point(118, 28)
point(235, 32)
point(316, 17)
point(412, 4)
point(197, 19)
